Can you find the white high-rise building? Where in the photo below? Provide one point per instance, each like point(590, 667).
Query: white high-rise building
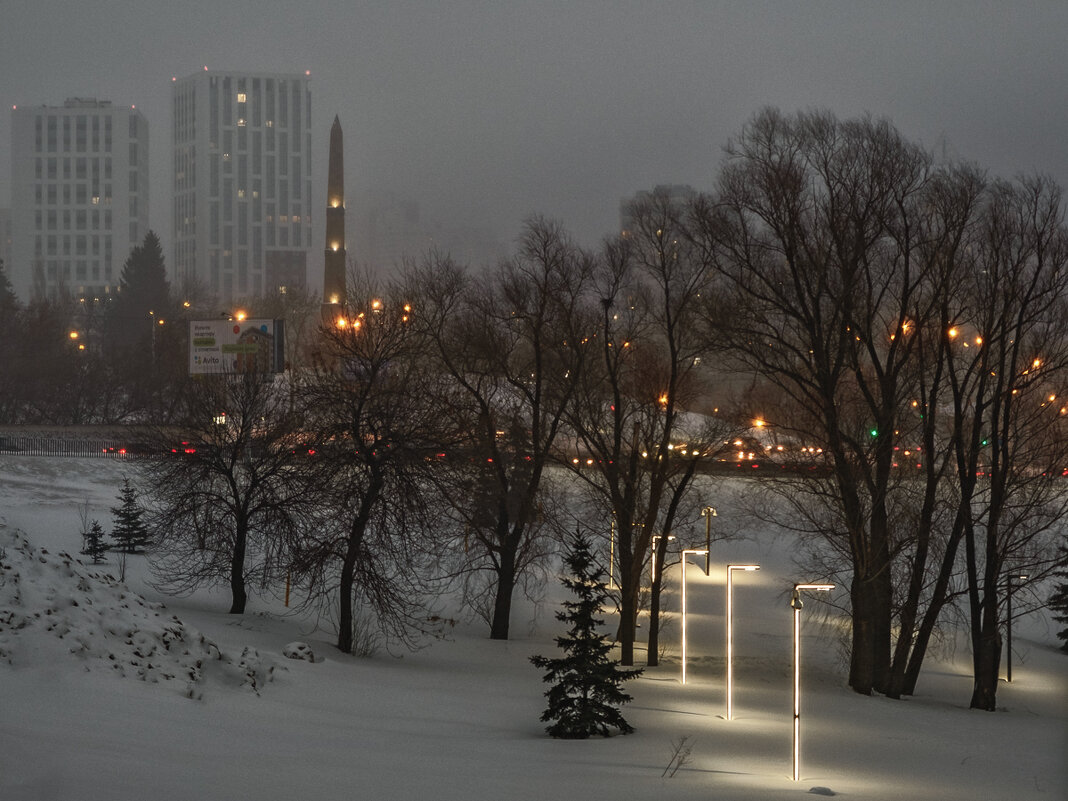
point(242, 182)
point(79, 199)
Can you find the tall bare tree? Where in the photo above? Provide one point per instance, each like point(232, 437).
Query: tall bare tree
point(1015, 423)
point(510, 342)
point(374, 408)
point(641, 444)
point(811, 229)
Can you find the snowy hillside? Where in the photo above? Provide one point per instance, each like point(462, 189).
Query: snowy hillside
point(110, 691)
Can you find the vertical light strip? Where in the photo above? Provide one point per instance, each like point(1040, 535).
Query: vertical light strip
point(797, 693)
point(796, 604)
point(684, 618)
point(730, 633)
point(684, 554)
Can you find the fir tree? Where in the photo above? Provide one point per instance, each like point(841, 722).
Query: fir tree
point(93, 544)
point(586, 691)
point(1058, 601)
point(144, 297)
point(130, 531)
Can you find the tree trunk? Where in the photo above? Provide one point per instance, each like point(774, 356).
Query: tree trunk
point(353, 544)
point(986, 661)
point(882, 595)
point(862, 656)
point(344, 617)
point(237, 570)
point(628, 618)
point(502, 603)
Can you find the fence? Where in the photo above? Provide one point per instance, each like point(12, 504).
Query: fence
point(44, 445)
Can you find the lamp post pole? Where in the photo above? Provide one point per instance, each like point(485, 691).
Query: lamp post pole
point(796, 603)
point(612, 551)
point(1008, 624)
point(684, 553)
point(708, 513)
point(730, 632)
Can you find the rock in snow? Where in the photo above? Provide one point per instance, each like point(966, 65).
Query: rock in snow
point(299, 650)
point(95, 618)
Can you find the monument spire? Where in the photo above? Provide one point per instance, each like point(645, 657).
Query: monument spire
point(334, 262)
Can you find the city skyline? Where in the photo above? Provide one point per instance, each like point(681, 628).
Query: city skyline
point(482, 115)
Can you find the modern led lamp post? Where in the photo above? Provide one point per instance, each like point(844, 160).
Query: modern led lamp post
point(656, 540)
point(730, 632)
point(684, 553)
point(796, 603)
point(1008, 622)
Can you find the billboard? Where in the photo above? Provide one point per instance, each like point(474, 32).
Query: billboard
point(236, 346)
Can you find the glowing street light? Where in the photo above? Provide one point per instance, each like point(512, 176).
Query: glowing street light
point(687, 551)
point(730, 632)
point(708, 513)
point(796, 603)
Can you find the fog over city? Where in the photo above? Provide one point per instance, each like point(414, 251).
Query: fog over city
point(484, 113)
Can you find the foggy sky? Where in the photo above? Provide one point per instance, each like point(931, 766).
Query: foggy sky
point(487, 112)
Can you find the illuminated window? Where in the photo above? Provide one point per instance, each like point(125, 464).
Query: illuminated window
point(241, 122)
point(296, 218)
point(283, 218)
point(240, 192)
point(241, 97)
point(268, 123)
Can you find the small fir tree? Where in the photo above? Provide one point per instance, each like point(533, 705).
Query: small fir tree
point(93, 544)
point(586, 690)
point(129, 532)
point(1058, 601)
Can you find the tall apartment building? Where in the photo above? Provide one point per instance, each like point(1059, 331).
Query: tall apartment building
point(79, 199)
point(242, 182)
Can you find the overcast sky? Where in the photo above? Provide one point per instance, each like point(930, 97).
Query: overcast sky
point(487, 112)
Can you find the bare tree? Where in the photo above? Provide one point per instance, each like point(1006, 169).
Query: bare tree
point(865, 285)
point(811, 230)
point(509, 343)
point(633, 415)
point(1013, 409)
point(224, 489)
point(374, 408)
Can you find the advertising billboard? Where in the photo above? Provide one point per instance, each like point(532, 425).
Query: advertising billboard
point(236, 346)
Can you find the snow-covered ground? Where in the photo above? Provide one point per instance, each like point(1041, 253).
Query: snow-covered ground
point(110, 691)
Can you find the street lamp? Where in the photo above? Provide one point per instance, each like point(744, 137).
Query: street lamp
point(796, 603)
point(730, 632)
point(708, 513)
point(1008, 623)
point(656, 538)
point(687, 551)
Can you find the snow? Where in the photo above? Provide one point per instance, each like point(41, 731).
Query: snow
point(222, 713)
